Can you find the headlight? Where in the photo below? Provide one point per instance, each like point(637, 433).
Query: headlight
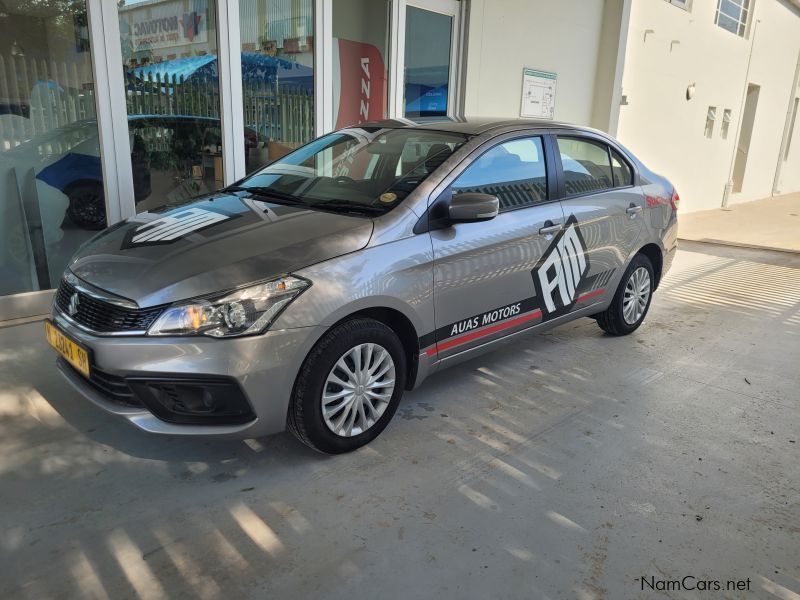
point(245, 311)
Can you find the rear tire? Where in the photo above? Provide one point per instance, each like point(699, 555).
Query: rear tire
point(631, 300)
point(333, 418)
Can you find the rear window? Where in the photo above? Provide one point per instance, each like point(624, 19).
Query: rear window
point(587, 166)
point(623, 174)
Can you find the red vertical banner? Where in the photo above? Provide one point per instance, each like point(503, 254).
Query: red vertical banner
point(361, 88)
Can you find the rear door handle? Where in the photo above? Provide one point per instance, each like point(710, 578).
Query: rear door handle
point(633, 210)
point(550, 228)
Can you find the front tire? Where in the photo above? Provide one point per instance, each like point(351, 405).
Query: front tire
point(631, 300)
point(349, 387)
point(87, 206)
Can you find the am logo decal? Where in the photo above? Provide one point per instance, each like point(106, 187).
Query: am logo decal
point(558, 275)
point(174, 226)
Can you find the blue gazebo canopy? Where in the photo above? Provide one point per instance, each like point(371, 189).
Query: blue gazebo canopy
point(255, 67)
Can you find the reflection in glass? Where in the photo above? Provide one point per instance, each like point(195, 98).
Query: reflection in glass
point(427, 69)
point(277, 40)
point(360, 43)
point(513, 171)
point(355, 170)
point(169, 55)
point(51, 183)
point(586, 164)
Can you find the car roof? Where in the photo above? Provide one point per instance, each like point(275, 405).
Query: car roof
point(469, 125)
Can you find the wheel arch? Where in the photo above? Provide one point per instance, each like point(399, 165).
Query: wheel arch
point(656, 257)
point(81, 181)
point(402, 326)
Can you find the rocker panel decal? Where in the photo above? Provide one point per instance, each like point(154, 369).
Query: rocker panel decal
point(560, 280)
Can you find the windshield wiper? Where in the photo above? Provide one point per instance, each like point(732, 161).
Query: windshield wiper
point(344, 205)
point(276, 195)
point(330, 205)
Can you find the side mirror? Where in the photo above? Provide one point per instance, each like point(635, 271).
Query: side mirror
point(471, 207)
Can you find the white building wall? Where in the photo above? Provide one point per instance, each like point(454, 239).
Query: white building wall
point(562, 36)
point(668, 49)
point(789, 175)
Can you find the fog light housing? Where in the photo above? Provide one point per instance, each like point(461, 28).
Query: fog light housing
point(193, 401)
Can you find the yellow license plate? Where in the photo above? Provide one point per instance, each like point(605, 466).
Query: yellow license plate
point(75, 355)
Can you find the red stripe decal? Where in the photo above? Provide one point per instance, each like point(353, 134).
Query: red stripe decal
point(591, 294)
point(483, 332)
point(451, 343)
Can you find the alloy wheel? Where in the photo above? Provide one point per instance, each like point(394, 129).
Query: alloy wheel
point(88, 210)
point(636, 295)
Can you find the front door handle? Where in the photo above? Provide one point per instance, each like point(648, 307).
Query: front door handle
point(633, 210)
point(550, 228)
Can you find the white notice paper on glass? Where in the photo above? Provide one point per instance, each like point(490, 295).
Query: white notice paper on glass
point(538, 94)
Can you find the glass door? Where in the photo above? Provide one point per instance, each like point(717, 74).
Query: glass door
point(359, 55)
point(169, 62)
point(277, 78)
point(430, 64)
point(51, 181)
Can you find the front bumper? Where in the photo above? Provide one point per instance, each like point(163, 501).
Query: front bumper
point(262, 367)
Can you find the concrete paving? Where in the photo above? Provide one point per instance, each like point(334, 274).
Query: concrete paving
point(568, 465)
point(770, 223)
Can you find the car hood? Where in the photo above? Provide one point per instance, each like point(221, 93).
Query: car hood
point(210, 245)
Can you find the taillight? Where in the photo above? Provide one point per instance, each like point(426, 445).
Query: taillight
point(675, 200)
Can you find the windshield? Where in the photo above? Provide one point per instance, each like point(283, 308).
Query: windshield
point(356, 170)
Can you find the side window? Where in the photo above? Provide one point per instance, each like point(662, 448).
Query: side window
point(587, 166)
point(513, 171)
point(623, 175)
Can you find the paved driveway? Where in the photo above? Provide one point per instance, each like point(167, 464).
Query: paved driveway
point(770, 223)
point(568, 465)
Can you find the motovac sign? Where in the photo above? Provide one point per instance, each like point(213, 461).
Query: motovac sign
point(166, 24)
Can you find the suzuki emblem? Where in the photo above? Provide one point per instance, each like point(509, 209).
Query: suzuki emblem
point(73, 304)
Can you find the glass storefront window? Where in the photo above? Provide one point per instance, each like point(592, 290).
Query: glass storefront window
point(427, 62)
point(51, 182)
point(360, 52)
point(169, 55)
point(277, 38)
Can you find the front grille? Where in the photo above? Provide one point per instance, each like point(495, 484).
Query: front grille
point(101, 316)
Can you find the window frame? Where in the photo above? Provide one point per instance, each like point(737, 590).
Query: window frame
point(711, 123)
point(397, 50)
point(587, 137)
point(623, 161)
point(741, 25)
point(442, 191)
point(725, 123)
point(485, 149)
point(682, 4)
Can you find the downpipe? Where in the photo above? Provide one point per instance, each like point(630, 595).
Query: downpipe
point(787, 129)
point(729, 186)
